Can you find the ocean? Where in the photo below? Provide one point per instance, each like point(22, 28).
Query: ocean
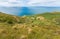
point(20, 11)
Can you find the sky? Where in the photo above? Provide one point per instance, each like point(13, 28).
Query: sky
point(20, 3)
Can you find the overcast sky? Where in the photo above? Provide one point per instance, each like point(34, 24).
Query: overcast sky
point(19, 3)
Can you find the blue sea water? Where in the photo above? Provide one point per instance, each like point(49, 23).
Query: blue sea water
point(20, 11)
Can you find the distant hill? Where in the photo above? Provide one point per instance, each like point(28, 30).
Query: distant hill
point(39, 26)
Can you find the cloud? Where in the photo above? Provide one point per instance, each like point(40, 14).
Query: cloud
point(19, 3)
point(44, 3)
point(11, 3)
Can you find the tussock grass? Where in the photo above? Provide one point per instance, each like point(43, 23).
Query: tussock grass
point(40, 26)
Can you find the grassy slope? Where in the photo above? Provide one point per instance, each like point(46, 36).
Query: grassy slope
point(41, 26)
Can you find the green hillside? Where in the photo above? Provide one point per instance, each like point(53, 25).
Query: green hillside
point(39, 26)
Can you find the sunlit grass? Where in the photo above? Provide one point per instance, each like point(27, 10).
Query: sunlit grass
point(40, 26)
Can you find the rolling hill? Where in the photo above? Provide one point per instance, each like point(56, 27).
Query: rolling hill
point(39, 26)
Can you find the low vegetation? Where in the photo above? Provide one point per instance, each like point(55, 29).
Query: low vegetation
point(39, 26)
